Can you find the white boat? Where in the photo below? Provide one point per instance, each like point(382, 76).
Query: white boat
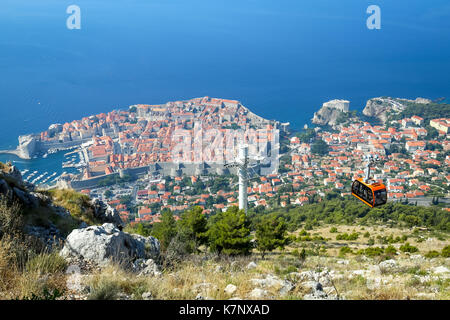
point(31, 175)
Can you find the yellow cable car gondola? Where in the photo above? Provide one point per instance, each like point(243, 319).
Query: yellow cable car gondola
point(373, 194)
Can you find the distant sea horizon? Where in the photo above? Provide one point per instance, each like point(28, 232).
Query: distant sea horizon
point(281, 59)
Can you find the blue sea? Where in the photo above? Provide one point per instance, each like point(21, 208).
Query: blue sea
point(280, 58)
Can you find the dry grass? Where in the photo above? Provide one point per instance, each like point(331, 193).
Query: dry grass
point(179, 283)
point(26, 270)
point(11, 218)
point(208, 275)
point(8, 273)
point(22, 279)
point(75, 202)
point(212, 274)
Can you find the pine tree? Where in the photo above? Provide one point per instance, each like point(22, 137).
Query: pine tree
point(229, 232)
point(271, 234)
point(193, 224)
point(165, 230)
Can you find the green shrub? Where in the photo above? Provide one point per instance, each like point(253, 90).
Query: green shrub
point(348, 237)
point(289, 270)
point(390, 250)
point(304, 238)
point(46, 294)
point(446, 252)
point(303, 232)
point(432, 254)
point(367, 234)
point(303, 254)
point(344, 250)
point(332, 212)
point(334, 230)
point(300, 255)
point(408, 248)
point(309, 225)
point(143, 229)
point(417, 270)
point(359, 280)
point(104, 290)
point(371, 252)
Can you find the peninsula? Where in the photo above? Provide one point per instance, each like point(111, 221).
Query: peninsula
point(144, 138)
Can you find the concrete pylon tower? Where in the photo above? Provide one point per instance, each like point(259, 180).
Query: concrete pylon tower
point(243, 176)
point(242, 165)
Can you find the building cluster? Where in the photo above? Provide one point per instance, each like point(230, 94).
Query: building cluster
point(148, 134)
point(407, 174)
point(413, 165)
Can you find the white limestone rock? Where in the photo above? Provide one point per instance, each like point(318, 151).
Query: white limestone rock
point(146, 267)
point(147, 296)
point(102, 244)
point(440, 270)
point(230, 289)
point(105, 213)
point(388, 265)
point(204, 289)
point(330, 112)
point(258, 293)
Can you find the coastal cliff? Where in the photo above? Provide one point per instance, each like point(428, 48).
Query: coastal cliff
point(330, 112)
point(381, 107)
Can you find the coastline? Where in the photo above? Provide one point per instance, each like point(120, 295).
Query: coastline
point(14, 152)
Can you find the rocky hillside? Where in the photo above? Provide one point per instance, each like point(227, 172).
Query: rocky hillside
point(45, 236)
point(330, 112)
point(307, 269)
point(51, 215)
point(381, 107)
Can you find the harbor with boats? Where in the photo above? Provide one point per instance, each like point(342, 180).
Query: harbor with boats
point(47, 170)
